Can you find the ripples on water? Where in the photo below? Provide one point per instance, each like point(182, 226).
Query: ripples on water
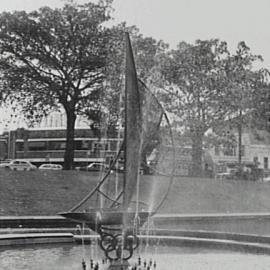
point(69, 257)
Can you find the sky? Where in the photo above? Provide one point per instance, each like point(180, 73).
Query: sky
point(186, 20)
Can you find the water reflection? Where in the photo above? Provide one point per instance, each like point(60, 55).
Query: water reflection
point(64, 257)
point(69, 257)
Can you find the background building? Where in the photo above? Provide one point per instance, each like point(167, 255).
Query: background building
point(255, 148)
point(46, 142)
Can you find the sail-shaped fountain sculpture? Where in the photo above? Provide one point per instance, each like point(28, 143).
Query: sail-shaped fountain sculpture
point(117, 225)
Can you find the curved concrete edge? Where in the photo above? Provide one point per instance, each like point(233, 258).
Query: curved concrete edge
point(35, 222)
point(211, 218)
point(24, 226)
point(39, 218)
point(214, 215)
point(209, 243)
point(172, 240)
point(35, 238)
point(195, 242)
point(35, 230)
point(249, 223)
point(251, 238)
point(164, 215)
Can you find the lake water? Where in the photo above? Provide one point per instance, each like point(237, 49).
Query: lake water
point(69, 257)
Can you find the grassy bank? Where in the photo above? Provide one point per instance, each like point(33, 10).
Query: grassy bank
point(47, 193)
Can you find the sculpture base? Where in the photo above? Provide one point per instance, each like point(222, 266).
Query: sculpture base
point(119, 265)
point(97, 218)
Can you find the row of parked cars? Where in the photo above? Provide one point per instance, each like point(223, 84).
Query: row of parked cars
point(248, 171)
point(25, 165)
point(98, 166)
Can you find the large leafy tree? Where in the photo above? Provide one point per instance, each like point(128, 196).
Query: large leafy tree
point(262, 102)
point(53, 57)
point(245, 91)
point(195, 90)
point(207, 86)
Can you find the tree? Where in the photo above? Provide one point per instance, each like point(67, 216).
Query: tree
point(53, 57)
point(262, 103)
point(244, 90)
point(207, 86)
point(195, 89)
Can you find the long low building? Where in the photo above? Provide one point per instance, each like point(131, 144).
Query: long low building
point(48, 145)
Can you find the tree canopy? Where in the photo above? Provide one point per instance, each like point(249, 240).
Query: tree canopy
point(204, 84)
point(55, 56)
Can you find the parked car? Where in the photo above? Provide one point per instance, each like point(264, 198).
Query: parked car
point(225, 175)
point(5, 163)
point(142, 170)
point(49, 166)
point(147, 170)
point(94, 167)
point(119, 168)
point(266, 178)
point(20, 165)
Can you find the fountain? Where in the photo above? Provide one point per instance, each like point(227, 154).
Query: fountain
point(118, 224)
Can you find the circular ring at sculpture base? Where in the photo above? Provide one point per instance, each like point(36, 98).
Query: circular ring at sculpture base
point(107, 242)
point(119, 253)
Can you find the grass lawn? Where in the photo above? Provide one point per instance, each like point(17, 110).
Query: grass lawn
point(50, 192)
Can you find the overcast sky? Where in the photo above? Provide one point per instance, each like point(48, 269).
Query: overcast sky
point(187, 20)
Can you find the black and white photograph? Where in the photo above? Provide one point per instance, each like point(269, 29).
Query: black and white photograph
point(134, 135)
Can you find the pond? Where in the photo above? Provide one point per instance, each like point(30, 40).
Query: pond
point(69, 257)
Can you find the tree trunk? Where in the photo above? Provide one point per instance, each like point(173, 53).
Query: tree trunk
point(240, 139)
point(239, 145)
point(70, 133)
point(197, 151)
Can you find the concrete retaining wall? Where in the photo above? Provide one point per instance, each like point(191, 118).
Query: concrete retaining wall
point(35, 238)
point(232, 223)
point(258, 224)
point(35, 222)
point(246, 232)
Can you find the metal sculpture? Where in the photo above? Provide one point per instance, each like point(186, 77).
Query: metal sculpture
point(118, 226)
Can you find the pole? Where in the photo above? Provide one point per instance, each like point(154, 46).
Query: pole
point(240, 139)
